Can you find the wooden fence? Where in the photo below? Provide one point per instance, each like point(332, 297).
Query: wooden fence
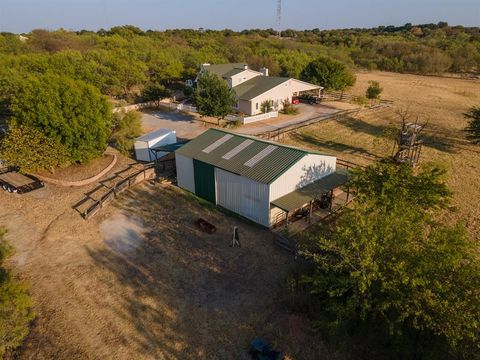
point(342, 96)
point(147, 173)
point(281, 133)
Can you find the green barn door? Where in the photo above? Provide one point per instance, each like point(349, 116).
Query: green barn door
point(204, 180)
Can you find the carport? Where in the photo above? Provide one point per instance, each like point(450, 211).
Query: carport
point(319, 196)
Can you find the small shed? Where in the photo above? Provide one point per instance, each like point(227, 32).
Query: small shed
point(145, 144)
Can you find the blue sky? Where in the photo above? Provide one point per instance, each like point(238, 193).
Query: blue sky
point(25, 15)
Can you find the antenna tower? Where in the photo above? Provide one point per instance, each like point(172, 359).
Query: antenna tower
point(279, 17)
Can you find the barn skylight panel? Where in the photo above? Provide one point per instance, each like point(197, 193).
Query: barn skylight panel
point(217, 144)
point(237, 149)
point(261, 155)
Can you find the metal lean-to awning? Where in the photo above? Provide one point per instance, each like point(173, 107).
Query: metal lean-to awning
point(301, 197)
point(169, 147)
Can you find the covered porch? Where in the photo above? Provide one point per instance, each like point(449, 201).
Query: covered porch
point(301, 208)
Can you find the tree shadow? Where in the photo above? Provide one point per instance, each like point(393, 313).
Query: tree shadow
point(440, 143)
point(175, 116)
point(335, 146)
point(313, 173)
point(187, 294)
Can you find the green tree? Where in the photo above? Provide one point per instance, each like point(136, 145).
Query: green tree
point(128, 126)
point(473, 128)
point(29, 149)
point(266, 106)
point(374, 90)
point(67, 111)
point(155, 93)
point(16, 306)
point(213, 97)
point(388, 266)
point(330, 74)
point(164, 67)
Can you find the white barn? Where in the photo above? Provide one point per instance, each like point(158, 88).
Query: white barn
point(254, 178)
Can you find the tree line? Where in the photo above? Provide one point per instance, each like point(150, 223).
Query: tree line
point(122, 59)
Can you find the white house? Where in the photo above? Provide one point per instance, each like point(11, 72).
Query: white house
point(254, 87)
point(252, 177)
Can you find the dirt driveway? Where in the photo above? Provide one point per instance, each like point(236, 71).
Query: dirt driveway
point(140, 281)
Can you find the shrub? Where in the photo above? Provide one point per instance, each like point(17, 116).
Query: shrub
point(374, 90)
point(473, 128)
point(16, 306)
point(266, 106)
point(288, 108)
point(128, 126)
point(29, 149)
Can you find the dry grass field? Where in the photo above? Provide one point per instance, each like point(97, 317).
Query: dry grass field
point(439, 101)
point(141, 281)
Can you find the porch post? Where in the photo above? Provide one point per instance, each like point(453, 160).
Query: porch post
point(286, 221)
point(310, 212)
point(331, 199)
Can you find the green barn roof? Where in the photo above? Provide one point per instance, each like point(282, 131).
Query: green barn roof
point(257, 159)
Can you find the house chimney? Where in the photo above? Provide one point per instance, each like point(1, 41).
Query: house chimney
point(264, 71)
point(245, 67)
point(203, 66)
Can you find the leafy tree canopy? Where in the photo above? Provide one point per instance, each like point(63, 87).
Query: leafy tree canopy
point(213, 97)
point(155, 93)
point(387, 185)
point(68, 111)
point(330, 74)
point(388, 264)
point(128, 126)
point(29, 149)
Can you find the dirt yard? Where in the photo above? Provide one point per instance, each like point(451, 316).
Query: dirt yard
point(439, 101)
point(141, 281)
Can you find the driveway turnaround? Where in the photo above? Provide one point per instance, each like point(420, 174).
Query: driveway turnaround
point(185, 125)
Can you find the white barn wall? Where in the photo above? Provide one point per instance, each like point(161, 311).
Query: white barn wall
point(310, 168)
point(243, 196)
point(185, 172)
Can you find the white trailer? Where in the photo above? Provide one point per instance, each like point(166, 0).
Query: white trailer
point(147, 142)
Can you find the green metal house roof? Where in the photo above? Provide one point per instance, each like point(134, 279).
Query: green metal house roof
point(298, 198)
point(256, 86)
point(223, 69)
point(233, 72)
point(265, 171)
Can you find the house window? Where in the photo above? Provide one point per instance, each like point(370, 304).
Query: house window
point(256, 106)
